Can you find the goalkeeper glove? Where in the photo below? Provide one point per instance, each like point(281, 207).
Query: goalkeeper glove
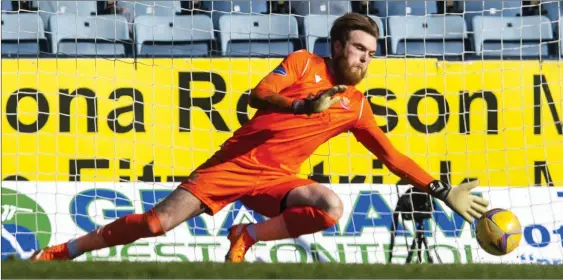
point(469, 206)
point(318, 103)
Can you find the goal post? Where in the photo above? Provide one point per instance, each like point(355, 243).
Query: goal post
point(104, 114)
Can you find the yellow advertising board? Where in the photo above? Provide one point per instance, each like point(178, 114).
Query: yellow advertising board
point(155, 120)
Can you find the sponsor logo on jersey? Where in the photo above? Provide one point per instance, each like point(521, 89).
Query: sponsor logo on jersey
point(345, 103)
point(280, 71)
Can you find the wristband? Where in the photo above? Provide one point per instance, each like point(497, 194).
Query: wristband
point(297, 106)
point(439, 190)
point(302, 106)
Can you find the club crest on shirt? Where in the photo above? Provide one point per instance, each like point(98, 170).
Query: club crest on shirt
point(280, 71)
point(345, 103)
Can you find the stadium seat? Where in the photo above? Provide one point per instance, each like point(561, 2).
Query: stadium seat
point(220, 8)
point(46, 9)
point(554, 11)
point(256, 7)
point(151, 8)
point(472, 9)
point(258, 35)
point(405, 8)
point(560, 44)
point(512, 36)
point(22, 34)
point(304, 8)
point(99, 36)
point(317, 33)
point(170, 36)
point(435, 35)
point(7, 6)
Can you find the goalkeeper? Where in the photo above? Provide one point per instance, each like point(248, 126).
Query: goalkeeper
point(301, 104)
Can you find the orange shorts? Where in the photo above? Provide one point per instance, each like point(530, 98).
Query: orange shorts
point(259, 190)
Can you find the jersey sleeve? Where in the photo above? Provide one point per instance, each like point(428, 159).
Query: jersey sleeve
point(289, 71)
point(374, 139)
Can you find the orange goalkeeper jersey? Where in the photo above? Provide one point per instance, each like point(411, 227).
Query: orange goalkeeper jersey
point(280, 141)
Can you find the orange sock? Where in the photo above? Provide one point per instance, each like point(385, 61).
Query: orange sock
point(124, 230)
point(132, 227)
point(293, 222)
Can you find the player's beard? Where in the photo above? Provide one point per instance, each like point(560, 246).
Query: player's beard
point(347, 74)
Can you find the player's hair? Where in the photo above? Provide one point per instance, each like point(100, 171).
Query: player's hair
point(343, 25)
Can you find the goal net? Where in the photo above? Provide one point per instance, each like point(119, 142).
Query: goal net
point(108, 106)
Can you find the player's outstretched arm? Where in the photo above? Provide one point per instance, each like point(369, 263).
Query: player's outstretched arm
point(459, 199)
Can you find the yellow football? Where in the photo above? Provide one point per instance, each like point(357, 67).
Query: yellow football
point(498, 232)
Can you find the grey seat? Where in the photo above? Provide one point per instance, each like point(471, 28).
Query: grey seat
point(99, 35)
point(151, 8)
point(436, 35)
point(317, 33)
point(332, 7)
point(221, 8)
point(258, 35)
point(22, 34)
point(512, 36)
point(236, 6)
point(496, 8)
point(180, 35)
point(46, 9)
point(405, 8)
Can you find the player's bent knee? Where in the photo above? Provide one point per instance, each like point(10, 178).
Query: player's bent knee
point(332, 205)
point(336, 209)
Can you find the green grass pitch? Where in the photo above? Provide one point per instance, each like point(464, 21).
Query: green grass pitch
point(144, 270)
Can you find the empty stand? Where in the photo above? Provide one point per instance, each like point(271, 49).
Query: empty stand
point(258, 28)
